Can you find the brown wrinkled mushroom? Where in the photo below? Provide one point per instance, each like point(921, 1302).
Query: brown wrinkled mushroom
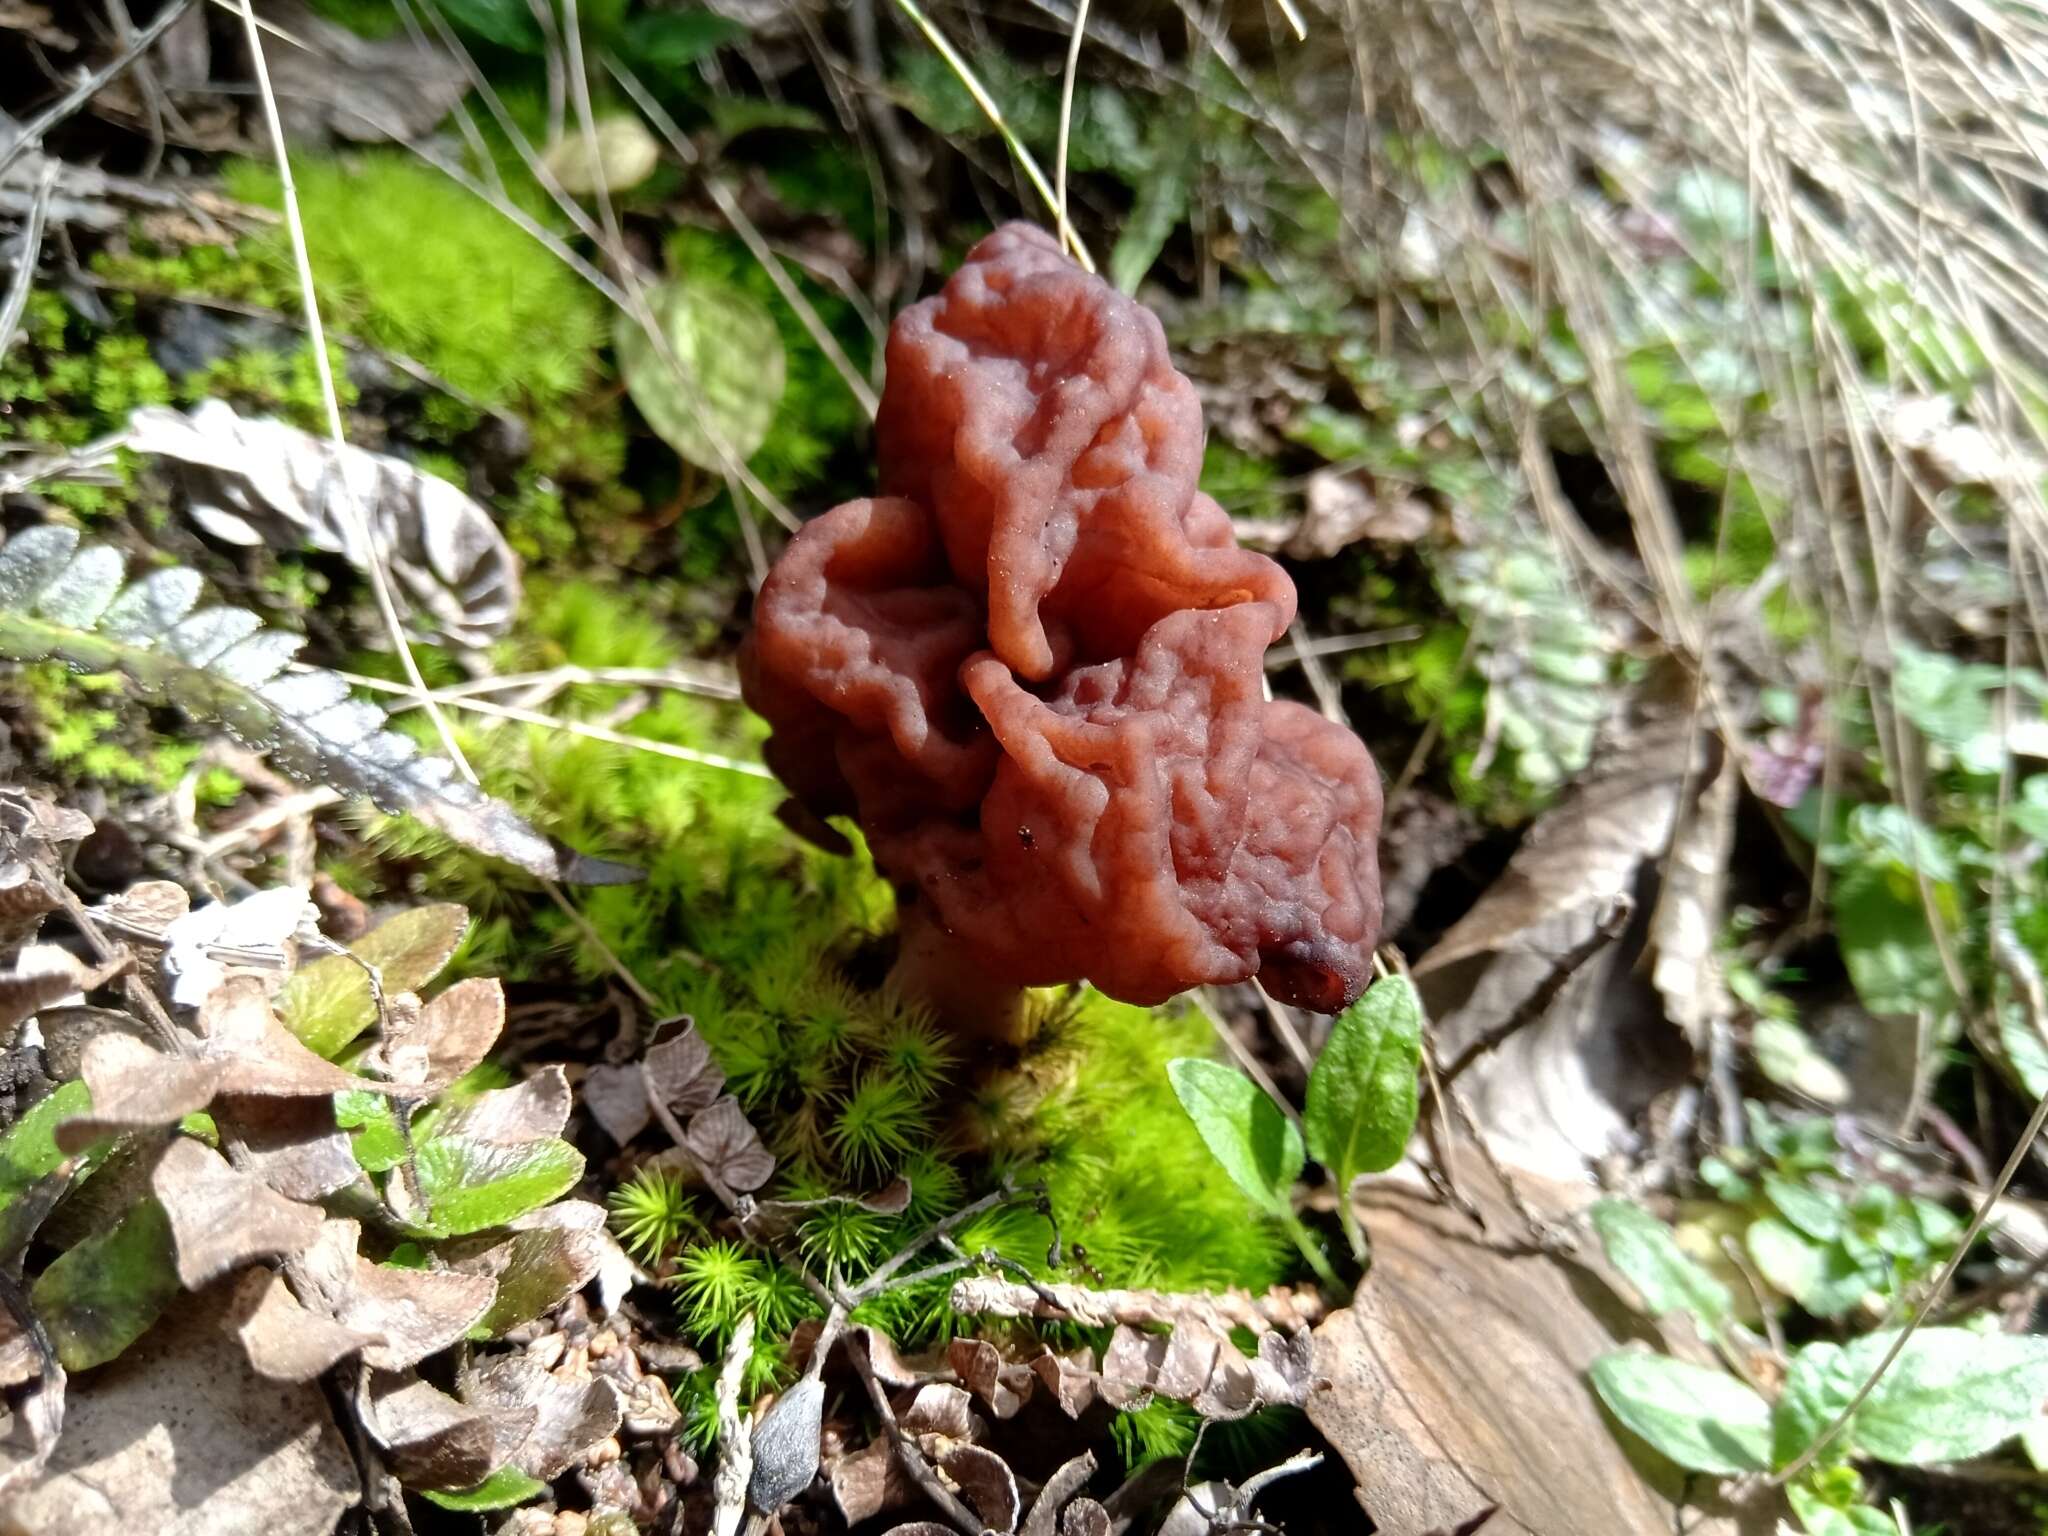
point(1032, 670)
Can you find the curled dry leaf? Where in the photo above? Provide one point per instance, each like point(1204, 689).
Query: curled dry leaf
point(34, 1402)
point(536, 1268)
point(412, 1313)
point(293, 1145)
point(221, 1218)
point(1067, 1480)
point(616, 1098)
point(1566, 1086)
point(1004, 1385)
point(44, 976)
point(430, 1439)
point(940, 1409)
point(530, 1110)
point(283, 1340)
point(241, 1050)
point(569, 1417)
point(871, 1481)
point(986, 1482)
point(258, 482)
point(1084, 1517)
point(1203, 1369)
point(682, 1074)
point(728, 1148)
point(426, 1049)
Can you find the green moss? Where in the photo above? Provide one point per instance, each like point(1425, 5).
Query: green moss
point(481, 303)
point(85, 736)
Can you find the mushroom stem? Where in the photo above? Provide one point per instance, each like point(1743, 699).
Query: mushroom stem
point(934, 968)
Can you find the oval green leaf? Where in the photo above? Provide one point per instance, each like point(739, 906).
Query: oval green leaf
point(1362, 1094)
point(1244, 1130)
point(723, 381)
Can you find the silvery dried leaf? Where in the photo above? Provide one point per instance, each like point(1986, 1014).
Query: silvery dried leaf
point(411, 1313)
point(221, 1218)
point(256, 935)
point(728, 1148)
point(254, 481)
point(786, 1446)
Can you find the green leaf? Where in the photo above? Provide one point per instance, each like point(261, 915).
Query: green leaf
point(379, 1140)
point(1161, 204)
point(1244, 1130)
point(507, 23)
point(329, 1002)
point(675, 39)
point(102, 1295)
point(1361, 1095)
point(1818, 1386)
point(1952, 1394)
point(1648, 1256)
point(1823, 1519)
point(1887, 945)
point(1822, 1277)
point(724, 379)
point(501, 1490)
point(29, 1149)
point(1701, 1419)
point(1816, 1212)
point(466, 1185)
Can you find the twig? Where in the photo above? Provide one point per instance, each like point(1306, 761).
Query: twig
point(913, 1459)
point(31, 132)
point(31, 252)
point(316, 335)
point(1606, 930)
point(735, 1443)
point(987, 1296)
point(1067, 110)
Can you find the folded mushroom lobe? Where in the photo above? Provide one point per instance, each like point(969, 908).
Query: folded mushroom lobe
point(1033, 669)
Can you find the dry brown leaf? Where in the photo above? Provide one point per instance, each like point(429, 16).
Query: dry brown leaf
point(1084, 1517)
point(1067, 1480)
point(284, 1341)
point(1004, 1385)
point(221, 1218)
point(293, 1145)
point(1564, 1088)
point(179, 1437)
point(414, 1313)
point(535, 1270)
point(682, 1073)
point(938, 1408)
point(569, 1416)
point(530, 1110)
point(340, 85)
point(134, 1087)
point(431, 1047)
point(1456, 1380)
point(986, 1482)
point(1068, 1379)
point(616, 1098)
point(146, 909)
point(430, 1439)
point(871, 1481)
point(43, 976)
point(1689, 914)
point(728, 1148)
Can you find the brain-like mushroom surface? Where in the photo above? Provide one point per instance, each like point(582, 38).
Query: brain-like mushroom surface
point(1032, 669)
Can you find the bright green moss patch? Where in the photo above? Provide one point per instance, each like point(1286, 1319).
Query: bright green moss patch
point(409, 260)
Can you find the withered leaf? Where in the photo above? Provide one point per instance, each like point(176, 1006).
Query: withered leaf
point(728, 1148)
point(1067, 1480)
point(255, 937)
point(145, 909)
point(430, 1439)
point(283, 1340)
point(786, 1446)
point(446, 1037)
point(939, 1408)
point(870, 1482)
point(293, 1145)
point(530, 1110)
point(986, 1482)
point(44, 975)
point(682, 1074)
point(220, 1217)
point(1002, 1384)
point(35, 1409)
point(1084, 1517)
point(616, 1098)
point(413, 1312)
point(134, 1086)
point(1071, 1380)
point(569, 1416)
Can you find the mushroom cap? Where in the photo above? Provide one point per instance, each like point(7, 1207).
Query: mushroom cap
point(1033, 669)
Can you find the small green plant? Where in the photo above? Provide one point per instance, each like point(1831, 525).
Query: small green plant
point(650, 1212)
point(1360, 1112)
